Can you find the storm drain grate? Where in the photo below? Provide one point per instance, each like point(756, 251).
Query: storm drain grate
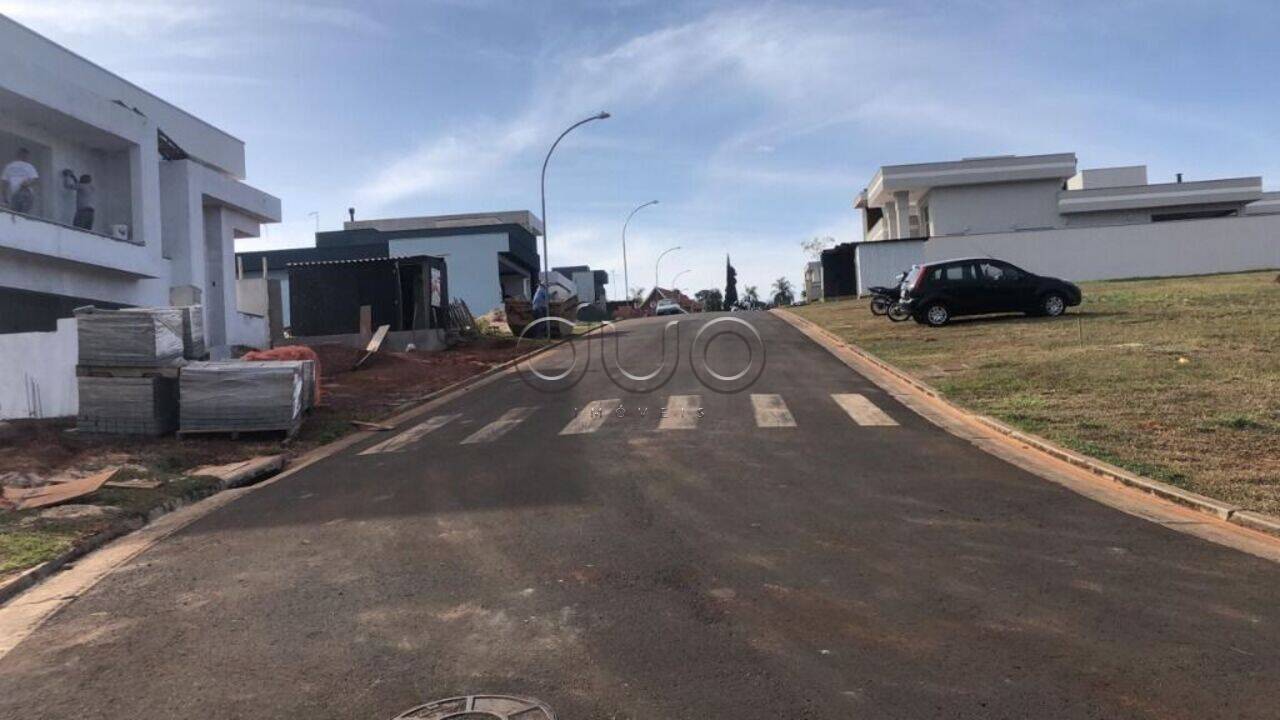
point(480, 707)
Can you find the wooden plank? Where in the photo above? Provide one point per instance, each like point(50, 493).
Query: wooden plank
point(27, 498)
point(373, 345)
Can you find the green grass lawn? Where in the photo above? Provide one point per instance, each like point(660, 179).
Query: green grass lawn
point(1177, 379)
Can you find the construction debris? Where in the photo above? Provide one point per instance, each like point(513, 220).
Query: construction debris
point(241, 396)
point(374, 345)
point(73, 511)
point(133, 337)
point(55, 493)
point(243, 472)
point(135, 484)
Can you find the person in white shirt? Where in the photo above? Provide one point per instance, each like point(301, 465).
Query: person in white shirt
point(18, 182)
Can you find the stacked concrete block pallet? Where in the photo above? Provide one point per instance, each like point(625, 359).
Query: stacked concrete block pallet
point(244, 396)
point(128, 368)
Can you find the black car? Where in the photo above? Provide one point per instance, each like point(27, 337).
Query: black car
point(936, 292)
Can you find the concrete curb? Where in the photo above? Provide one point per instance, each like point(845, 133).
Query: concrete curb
point(253, 472)
point(31, 576)
point(1217, 508)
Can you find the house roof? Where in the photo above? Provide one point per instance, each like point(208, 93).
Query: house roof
point(357, 261)
point(917, 179)
point(523, 218)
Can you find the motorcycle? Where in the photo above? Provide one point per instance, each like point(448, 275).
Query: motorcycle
point(885, 300)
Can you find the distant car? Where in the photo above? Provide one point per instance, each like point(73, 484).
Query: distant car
point(668, 307)
point(936, 292)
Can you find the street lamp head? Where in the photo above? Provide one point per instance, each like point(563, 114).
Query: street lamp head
point(603, 115)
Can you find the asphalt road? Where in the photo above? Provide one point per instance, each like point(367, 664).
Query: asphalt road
point(783, 557)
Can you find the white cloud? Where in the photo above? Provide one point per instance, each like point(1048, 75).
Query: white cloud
point(120, 18)
point(175, 26)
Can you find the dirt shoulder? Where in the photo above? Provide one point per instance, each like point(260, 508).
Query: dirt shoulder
point(35, 452)
point(1177, 379)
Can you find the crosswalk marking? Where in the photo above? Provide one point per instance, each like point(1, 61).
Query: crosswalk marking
point(771, 411)
point(499, 427)
point(681, 413)
point(591, 417)
point(862, 410)
point(410, 436)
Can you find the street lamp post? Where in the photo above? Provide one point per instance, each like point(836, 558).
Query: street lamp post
point(677, 277)
point(546, 259)
point(626, 281)
point(659, 260)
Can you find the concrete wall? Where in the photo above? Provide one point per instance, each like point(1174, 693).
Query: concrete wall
point(473, 264)
point(879, 263)
point(247, 331)
point(997, 207)
point(1186, 247)
point(1125, 176)
point(38, 373)
point(253, 296)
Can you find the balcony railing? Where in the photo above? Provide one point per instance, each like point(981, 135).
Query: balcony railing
point(39, 218)
point(38, 236)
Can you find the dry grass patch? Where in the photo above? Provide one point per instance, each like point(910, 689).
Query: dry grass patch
point(1177, 379)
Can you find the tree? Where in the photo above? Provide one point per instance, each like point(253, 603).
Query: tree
point(783, 294)
point(730, 284)
point(710, 299)
point(813, 248)
point(752, 297)
point(637, 295)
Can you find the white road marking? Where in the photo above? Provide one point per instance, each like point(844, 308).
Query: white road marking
point(682, 413)
point(499, 427)
point(591, 417)
point(411, 435)
point(771, 411)
point(862, 410)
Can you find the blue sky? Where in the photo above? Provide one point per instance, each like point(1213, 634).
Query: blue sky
point(755, 125)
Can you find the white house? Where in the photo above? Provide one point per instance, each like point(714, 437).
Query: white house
point(1041, 212)
point(813, 281)
point(169, 200)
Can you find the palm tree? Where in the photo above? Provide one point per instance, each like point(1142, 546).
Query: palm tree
point(783, 294)
point(751, 297)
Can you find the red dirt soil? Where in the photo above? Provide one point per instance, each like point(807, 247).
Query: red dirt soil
point(392, 378)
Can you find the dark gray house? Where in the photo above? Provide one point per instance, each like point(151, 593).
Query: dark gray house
point(489, 255)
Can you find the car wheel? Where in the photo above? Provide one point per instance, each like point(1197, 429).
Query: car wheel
point(1053, 305)
point(937, 315)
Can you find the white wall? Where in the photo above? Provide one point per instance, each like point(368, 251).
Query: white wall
point(472, 262)
point(38, 373)
point(248, 331)
point(1094, 178)
point(1186, 247)
point(879, 263)
point(997, 207)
